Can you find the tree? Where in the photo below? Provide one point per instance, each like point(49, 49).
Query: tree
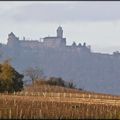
point(71, 85)
point(34, 73)
point(10, 79)
point(56, 81)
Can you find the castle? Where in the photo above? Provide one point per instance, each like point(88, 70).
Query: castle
point(57, 41)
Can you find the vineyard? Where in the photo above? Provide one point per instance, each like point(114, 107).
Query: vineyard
point(67, 105)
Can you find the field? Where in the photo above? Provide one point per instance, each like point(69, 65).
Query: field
point(58, 103)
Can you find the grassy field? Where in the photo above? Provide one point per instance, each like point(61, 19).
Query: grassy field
point(58, 103)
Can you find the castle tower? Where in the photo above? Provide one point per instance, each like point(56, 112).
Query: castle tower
point(60, 32)
point(12, 37)
point(12, 40)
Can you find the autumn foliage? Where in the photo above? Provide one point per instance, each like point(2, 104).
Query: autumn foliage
point(10, 79)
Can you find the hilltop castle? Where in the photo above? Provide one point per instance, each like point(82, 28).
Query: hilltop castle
point(57, 41)
point(90, 70)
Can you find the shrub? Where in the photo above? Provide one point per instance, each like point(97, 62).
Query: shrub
point(56, 81)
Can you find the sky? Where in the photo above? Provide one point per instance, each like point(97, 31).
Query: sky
point(95, 22)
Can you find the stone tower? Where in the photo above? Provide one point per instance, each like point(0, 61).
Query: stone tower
point(13, 41)
point(59, 32)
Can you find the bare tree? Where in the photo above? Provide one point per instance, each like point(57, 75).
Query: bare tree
point(71, 84)
point(34, 73)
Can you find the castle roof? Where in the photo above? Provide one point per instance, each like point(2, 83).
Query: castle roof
point(11, 34)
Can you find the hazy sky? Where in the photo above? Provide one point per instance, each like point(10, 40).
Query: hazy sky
point(95, 22)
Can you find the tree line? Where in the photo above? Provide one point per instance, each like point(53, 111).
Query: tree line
point(12, 81)
point(37, 77)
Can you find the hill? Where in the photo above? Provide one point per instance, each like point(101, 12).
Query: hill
point(49, 88)
point(89, 70)
point(57, 104)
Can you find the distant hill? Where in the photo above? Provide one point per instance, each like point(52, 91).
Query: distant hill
point(89, 70)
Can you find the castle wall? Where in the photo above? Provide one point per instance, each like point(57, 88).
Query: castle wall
point(31, 44)
point(53, 42)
